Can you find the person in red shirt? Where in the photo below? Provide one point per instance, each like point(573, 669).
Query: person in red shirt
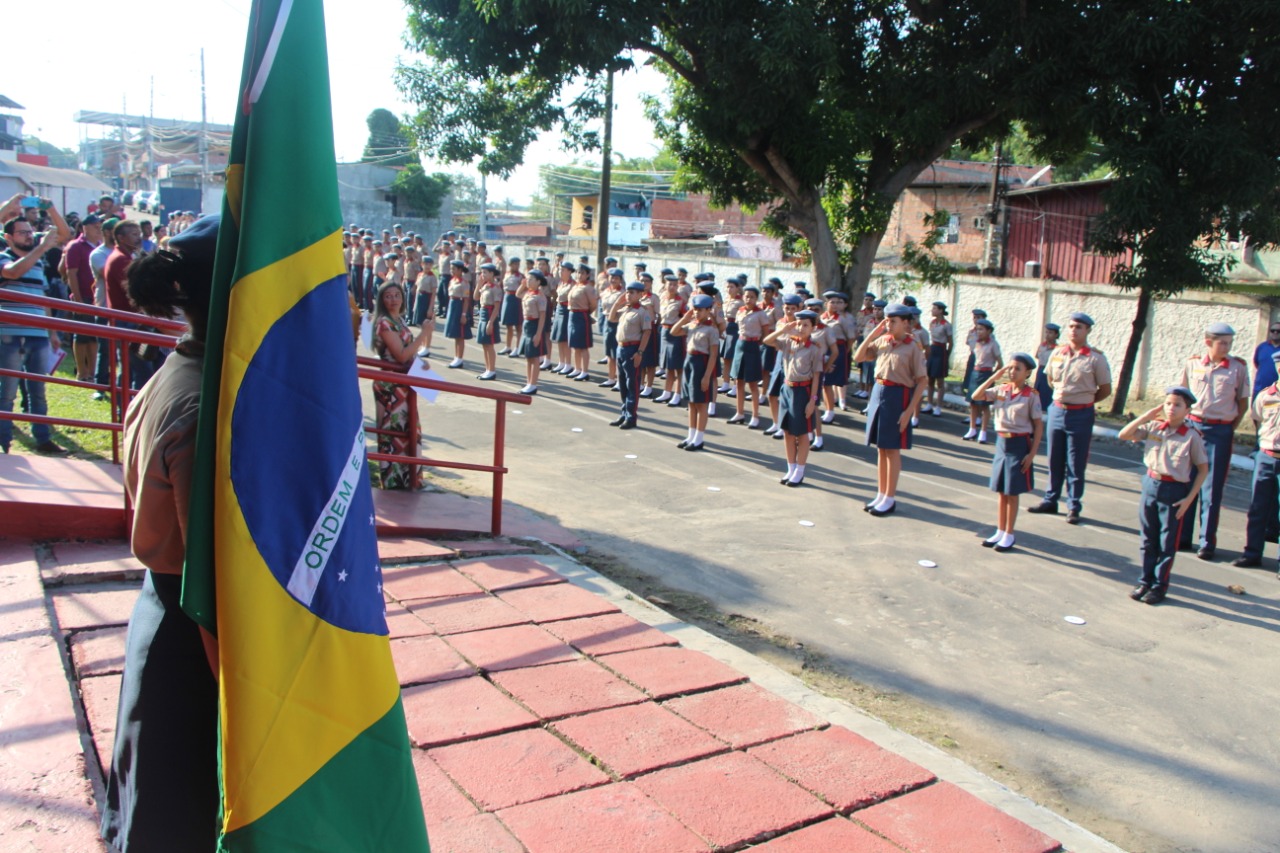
point(128, 245)
point(79, 278)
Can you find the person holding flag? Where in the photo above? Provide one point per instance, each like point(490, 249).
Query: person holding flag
point(281, 566)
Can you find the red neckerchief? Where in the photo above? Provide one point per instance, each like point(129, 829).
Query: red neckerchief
point(1013, 389)
point(1164, 425)
point(806, 342)
point(830, 316)
point(908, 339)
point(1206, 360)
point(1066, 350)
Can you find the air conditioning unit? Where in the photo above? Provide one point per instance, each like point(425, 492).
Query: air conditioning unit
point(979, 223)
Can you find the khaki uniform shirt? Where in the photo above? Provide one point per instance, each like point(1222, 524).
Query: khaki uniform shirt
point(562, 292)
point(458, 288)
point(751, 323)
point(670, 308)
point(608, 299)
point(1015, 410)
point(512, 283)
point(581, 296)
point(533, 304)
point(922, 337)
point(803, 360)
point(866, 321)
point(1218, 386)
point(428, 283)
point(1076, 377)
point(941, 332)
point(986, 354)
point(488, 295)
point(1266, 411)
point(1172, 452)
point(703, 337)
point(1043, 352)
point(633, 323)
point(835, 330)
point(731, 307)
point(900, 362)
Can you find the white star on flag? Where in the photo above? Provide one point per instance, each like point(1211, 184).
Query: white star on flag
point(342, 575)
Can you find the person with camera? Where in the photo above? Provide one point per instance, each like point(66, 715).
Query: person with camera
point(27, 348)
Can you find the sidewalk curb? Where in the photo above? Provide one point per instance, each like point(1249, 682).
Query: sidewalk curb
point(1073, 837)
point(1239, 462)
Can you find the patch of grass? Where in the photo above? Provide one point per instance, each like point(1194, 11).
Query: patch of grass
point(67, 402)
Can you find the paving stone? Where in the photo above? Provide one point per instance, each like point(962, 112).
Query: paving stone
point(442, 800)
point(450, 711)
point(515, 768)
point(485, 546)
point(403, 549)
point(744, 715)
point(829, 836)
point(609, 634)
point(843, 768)
point(434, 580)
point(944, 819)
point(80, 562)
point(419, 660)
point(636, 739)
point(94, 607)
point(501, 573)
point(556, 601)
point(512, 647)
point(617, 818)
point(481, 833)
point(671, 671)
point(101, 698)
point(465, 613)
point(732, 799)
point(99, 652)
point(402, 623)
point(563, 689)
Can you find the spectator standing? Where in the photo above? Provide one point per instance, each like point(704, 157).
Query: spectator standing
point(80, 280)
point(1264, 367)
point(97, 265)
point(128, 246)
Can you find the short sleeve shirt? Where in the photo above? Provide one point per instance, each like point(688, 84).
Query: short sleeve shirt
point(751, 323)
point(534, 305)
point(803, 360)
point(77, 256)
point(900, 362)
point(1266, 411)
point(117, 296)
point(940, 332)
point(1172, 452)
point(986, 354)
point(1218, 386)
point(633, 323)
point(702, 337)
point(1015, 409)
point(835, 330)
point(1077, 376)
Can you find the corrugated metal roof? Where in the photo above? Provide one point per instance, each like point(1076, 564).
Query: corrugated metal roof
point(975, 173)
point(49, 176)
point(1070, 185)
point(10, 104)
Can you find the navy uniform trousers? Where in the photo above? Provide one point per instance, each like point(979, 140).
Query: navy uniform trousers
point(1217, 444)
point(628, 381)
point(1160, 528)
point(1262, 504)
point(1070, 431)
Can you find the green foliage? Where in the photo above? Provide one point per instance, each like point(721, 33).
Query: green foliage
point(921, 261)
point(466, 193)
point(59, 158)
point(419, 192)
point(389, 144)
point(648, 175)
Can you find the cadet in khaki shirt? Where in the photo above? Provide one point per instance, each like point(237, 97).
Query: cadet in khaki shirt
point(748, 360)
point(698, 329)
point(1174, 454)
point(900, 382)
point(1080, 378)
point(802, 372)
point(1220, 383)
point(533, 310)
point(635, 325)
point(1265, 411)
point(1019, 424)
point(671, 307)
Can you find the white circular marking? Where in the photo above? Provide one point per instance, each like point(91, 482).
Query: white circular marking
point(1074, 620)
point(713, 488)
point(806, 524)
point(631, 456)
point(929, 564)
point(576, 429)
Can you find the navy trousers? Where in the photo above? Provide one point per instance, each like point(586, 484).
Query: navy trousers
point(1160, 528)
point(1263, 503)
point(1208, 504)
point(628, 381)
point(1070, 431)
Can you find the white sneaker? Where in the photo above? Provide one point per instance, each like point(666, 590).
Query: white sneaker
point(771, 430)
point(528, 389)
point(936, 411)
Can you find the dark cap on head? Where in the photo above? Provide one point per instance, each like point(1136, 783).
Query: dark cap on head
point(1183, 392)
point(200, 241)
point(1024, 359)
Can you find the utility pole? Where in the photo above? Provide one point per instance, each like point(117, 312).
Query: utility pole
point(146, 136)
point(484, 208)
point(602, 209)
point(204, 130)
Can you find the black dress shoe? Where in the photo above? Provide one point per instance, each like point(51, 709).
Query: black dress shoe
point(880, 513)
point(1156, 595)
point(1073, 516)
point(682, 445)
point(1139, 591)
point(1044, 508)
point(1186, 546)
point(697, 446)
point(785, 480)
point(48, 447)
point(1206, 553)
point(618, 422)
point(794, 483)
point(989, 543)
point(629, 425)
point(1246, 562)
point(1000, 549)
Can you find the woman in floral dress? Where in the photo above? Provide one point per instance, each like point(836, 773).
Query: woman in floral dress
point(394, 342)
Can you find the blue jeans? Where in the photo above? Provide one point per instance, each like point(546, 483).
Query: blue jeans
point(29, 353)
point(1262, 504)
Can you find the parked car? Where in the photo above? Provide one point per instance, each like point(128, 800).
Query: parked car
point(145, 200)
point(127, 198)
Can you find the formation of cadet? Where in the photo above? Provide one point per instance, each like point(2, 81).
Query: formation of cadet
point(797, 360)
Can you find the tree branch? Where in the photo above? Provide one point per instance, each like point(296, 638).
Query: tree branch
point(692, 75)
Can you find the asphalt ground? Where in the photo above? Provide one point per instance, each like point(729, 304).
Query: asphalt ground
point(1151, 726)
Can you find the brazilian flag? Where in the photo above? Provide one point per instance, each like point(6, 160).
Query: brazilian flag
point(282, 560)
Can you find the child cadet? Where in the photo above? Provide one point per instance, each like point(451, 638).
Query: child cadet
point(671, 307)
point(921, 334)
point(941, 337)
point(1220, 383)
point(609, 298)
point(777, 378)
point(702, 348)
point(978, 314)
point(748, 361)
point(836, 377)
point(1265, 411)
point(457, 324)
point(1043, 352)
point(1019, 425)
point(822, 338)
point(649, 356)
point(560, 320)
point(900, 382)
point(510, 315)
point(582, 306)
point(488, 298)
point(1173, 448)
point(533, 308)
point(1080, 378)
point(635, 326)
point(802, 371)
point(732, 302)
point(867, 319)
point(987, 359)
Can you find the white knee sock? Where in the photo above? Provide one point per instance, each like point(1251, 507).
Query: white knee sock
point(995, 537)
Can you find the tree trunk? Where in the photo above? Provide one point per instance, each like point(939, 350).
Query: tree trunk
point(857, 277)
point(1131, 352)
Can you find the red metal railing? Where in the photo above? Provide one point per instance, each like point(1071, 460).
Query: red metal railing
point(368, 368)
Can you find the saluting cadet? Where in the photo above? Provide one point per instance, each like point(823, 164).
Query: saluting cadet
point(1080, 378)
point(941, 338)
point(970, 339)
point(702, 343)
point(771, 306)
point(1019, 425)
point(867, 320)
point(582, 305)
point(921, 334)
point(560, 320)
point(802, 363)
point(1265, 410)
point(1043, 352)
point(635, 326)
point(685, 286)
point(671, 307)
point(547, 285)
point(900, 383)
point(487, 297)
point(748, 360)
point(649, 357)
point(533, 308)
point(457, 324)
point(1173, 448)
point(836, 376)
point(822, 339)
point(732, 302)
point(610, 297)
point(791, 304)
point(510, 317)
point(987, 359)
point(1220, 383)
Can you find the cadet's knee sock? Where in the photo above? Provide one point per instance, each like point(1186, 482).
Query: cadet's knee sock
point(995, 537)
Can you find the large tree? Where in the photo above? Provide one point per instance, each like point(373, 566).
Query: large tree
point(389, 144)
point(421, 194)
